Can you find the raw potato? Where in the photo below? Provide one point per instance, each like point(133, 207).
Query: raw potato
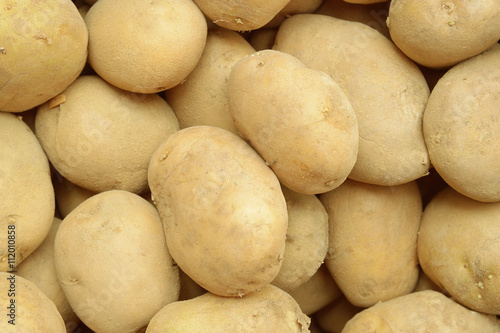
point(268, 310)
point(306, 240)
point(373, 240)
point(26, 193)
point(145, 46)
point(241, 15)
point(101, 137)
point(40, 269)
point(333, 317)
point(222, 208)
point(438, 34)
point(459, 249)
point(461, 123)
point(386, 89)
point(69, 195)
point(294, 7)
point(424, 311)
point(113, 263)
point(263, 38)
point(43, 48)
point(202, 98)
point(29, 310)
point(298, 119)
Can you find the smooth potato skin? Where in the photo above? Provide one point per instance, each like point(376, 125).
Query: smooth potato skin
point(222, 208)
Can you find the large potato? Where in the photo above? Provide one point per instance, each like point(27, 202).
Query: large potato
point(373, 240)
point(298, 119)
point(222, 208)
point(27, 203)
point(459, 249)
point(113, 263)
point(43, 48)
point(461, 126)
point(386, 89)
point(268, 310)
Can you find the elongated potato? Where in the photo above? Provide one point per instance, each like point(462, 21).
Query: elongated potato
point(373, 240)
point(222, 208)
point(298, 119)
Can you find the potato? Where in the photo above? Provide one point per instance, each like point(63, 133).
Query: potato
point(424, 283)
point(459, 249)
point(202, 98)
point(386, 89)
point(145, 46)
point(113, 263)
point(269, 310)
point(43, 48)
point(101, 137)
point(241, 15)
point(306, 240)
point(224, 215)
point(40, 269)
point(440, 34)
point(333, 317)
point(26, 192)
point(294, 7)
point(26, 308)
point(263, 38)
point(69, 195)
point(461, 123)
point(189, 289)
point(373, 240)
point(424, 311)
point(298, 119)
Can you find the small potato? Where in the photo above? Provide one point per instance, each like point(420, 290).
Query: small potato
point(298, 119)
point(26, 308)
point(263, 39)
point(268, 310)
point(145, 46)
point(461, 126)
point(294, 7)
point(69, 195)
point(424, 311)
point(113, 263)
point(373, 240)
point(333, 317)
point(27, 203)
point(459, 249)
point(223, 211)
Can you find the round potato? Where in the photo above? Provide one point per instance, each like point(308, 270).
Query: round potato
point(263, 38)
point(386, 89)
point(461, 123)
point(373, 240)
point(333, 317)
point(298, 119)
point(43, 48)
point(222, 208)
point(269, 310)
point(438, 34)
point(459, 249)
point(69, 195)
point(294, 7)
point(26, 193)
point(113, 263)
point(145, 46)
point(100, 137)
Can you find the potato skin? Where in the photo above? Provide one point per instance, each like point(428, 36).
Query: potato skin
point(298, 119)
point(459, 249)
point(224, 215)
point(373, 240)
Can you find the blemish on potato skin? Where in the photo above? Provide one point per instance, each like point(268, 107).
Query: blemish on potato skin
point(2, 50)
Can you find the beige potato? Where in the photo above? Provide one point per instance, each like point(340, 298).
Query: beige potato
point(424, 311)
point(461, 123)
point(386, 89)
point(241, 15)
point(223, 211)
point(26, 308)
point(145, 46)
point(111, 145)
point(438, 34)
point(294, 7)
point(189, 289)
point(459, 249)
point(202, 98)
point(333, 317)
point(43, 48)
point(306, 240)
point(268, 310)
point(113, 263)
point(263, 38)
point(69, 195)
point(39, 268)
point(298, 119)
point(26, 193)
point(373, 240)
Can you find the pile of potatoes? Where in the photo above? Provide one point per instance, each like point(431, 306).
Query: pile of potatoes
point(249, 166)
